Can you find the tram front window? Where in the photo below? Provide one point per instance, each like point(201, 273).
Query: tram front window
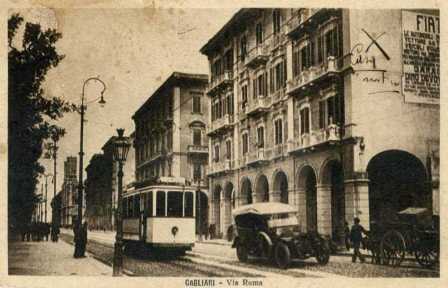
point(175, 206)
point(160, 204)
point(188, 204)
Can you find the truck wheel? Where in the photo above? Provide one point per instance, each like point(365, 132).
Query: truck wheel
point(241, 252)
point(282, 255)
point(323, 254)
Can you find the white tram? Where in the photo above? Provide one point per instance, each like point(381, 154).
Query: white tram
point(160, 217)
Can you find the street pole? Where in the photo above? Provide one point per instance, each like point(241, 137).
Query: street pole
point(118, 251)
point(46, 199)
point(121, 149)
point(81, 149)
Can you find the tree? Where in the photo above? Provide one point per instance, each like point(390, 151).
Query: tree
point(31, 113)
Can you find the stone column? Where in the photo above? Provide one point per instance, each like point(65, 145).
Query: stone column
point(357, 201)
point(300, 203)
point(324, 209)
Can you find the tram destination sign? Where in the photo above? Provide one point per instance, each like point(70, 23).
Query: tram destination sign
point(421, 57)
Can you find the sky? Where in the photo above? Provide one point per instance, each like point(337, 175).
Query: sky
point(132, 50)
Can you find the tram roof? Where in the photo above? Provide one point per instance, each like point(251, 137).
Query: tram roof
point(264, 208)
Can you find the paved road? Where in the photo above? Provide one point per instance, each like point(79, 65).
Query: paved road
point(48, 258)
point(211, 259)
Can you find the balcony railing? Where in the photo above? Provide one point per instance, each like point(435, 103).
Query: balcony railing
point(314, 74)
point(199, 149)
point(308, 18)
point(221, 81)
point(220, 167)
point(220, 124)
point(315, 138)
point(259, 55)
point(258, 105)
point(279, 150)
point(257, 157)
point(279, 95)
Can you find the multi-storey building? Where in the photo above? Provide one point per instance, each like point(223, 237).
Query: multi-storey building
point(170, 136)
point(102, 187)
point(69, 192)
point(334, 111)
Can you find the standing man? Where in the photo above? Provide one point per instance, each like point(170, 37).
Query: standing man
point(356, 237)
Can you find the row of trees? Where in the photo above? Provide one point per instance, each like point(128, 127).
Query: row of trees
point(31, 113)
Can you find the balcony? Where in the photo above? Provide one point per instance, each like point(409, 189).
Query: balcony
point(258, 105)
point(279, 95)
point(197, 149)
point(220, 82)
point(157, 155)
point(279, 151)
point(220, 167)
point(259, 55)
point(278, 39)
point(220, 125)
point(309, 19)
point(315, 139)
point(314, 75)
point(258, 157)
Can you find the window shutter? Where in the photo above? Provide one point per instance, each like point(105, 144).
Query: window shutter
point(271, 80)
point(285, 72)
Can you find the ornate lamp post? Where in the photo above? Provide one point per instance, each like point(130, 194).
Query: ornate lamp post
point(121, 149)
point(81, 146)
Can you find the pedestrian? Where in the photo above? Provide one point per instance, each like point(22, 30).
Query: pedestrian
point(347, 235)
point(77, 239)
point(356, 238)
point(83, 238)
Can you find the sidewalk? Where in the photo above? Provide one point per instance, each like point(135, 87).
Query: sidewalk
point(49, 258)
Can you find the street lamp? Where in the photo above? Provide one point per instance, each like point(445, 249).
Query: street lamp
point(81, 146)
point(121, 149)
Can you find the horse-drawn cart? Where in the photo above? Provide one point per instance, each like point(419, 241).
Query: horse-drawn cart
point(414, 232)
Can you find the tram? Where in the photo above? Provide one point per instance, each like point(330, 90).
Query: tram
point(161, 217)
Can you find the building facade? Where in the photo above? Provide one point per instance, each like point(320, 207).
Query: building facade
point(170, 136)
point(69, 192)
point(317, 108)
point(102, 187)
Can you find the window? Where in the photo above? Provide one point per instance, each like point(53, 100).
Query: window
point(228, 60)
point(260, 137)
point(136, 206)
point(322, 114)
point(330, 112)
point(216, 154)
point(197, 135)
point(245, 143)
point(197, 172)
point(124, 203)
point(278, 76)
point(175, 204)
point(304, 120)
point(243, 47)
point(149, 206)
point(188, 204)
point(160, 203)
point(277, 21)
point(228, 149)
point(196, 103)
point(130, 206)
point(259, 33)
point(278, 127)
point(230, 104)
point(244, 96)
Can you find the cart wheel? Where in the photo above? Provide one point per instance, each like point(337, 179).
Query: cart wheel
point(426, 257)
point(241, 252)
point(393, 248)
point(282, 255)
point(323, 254)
